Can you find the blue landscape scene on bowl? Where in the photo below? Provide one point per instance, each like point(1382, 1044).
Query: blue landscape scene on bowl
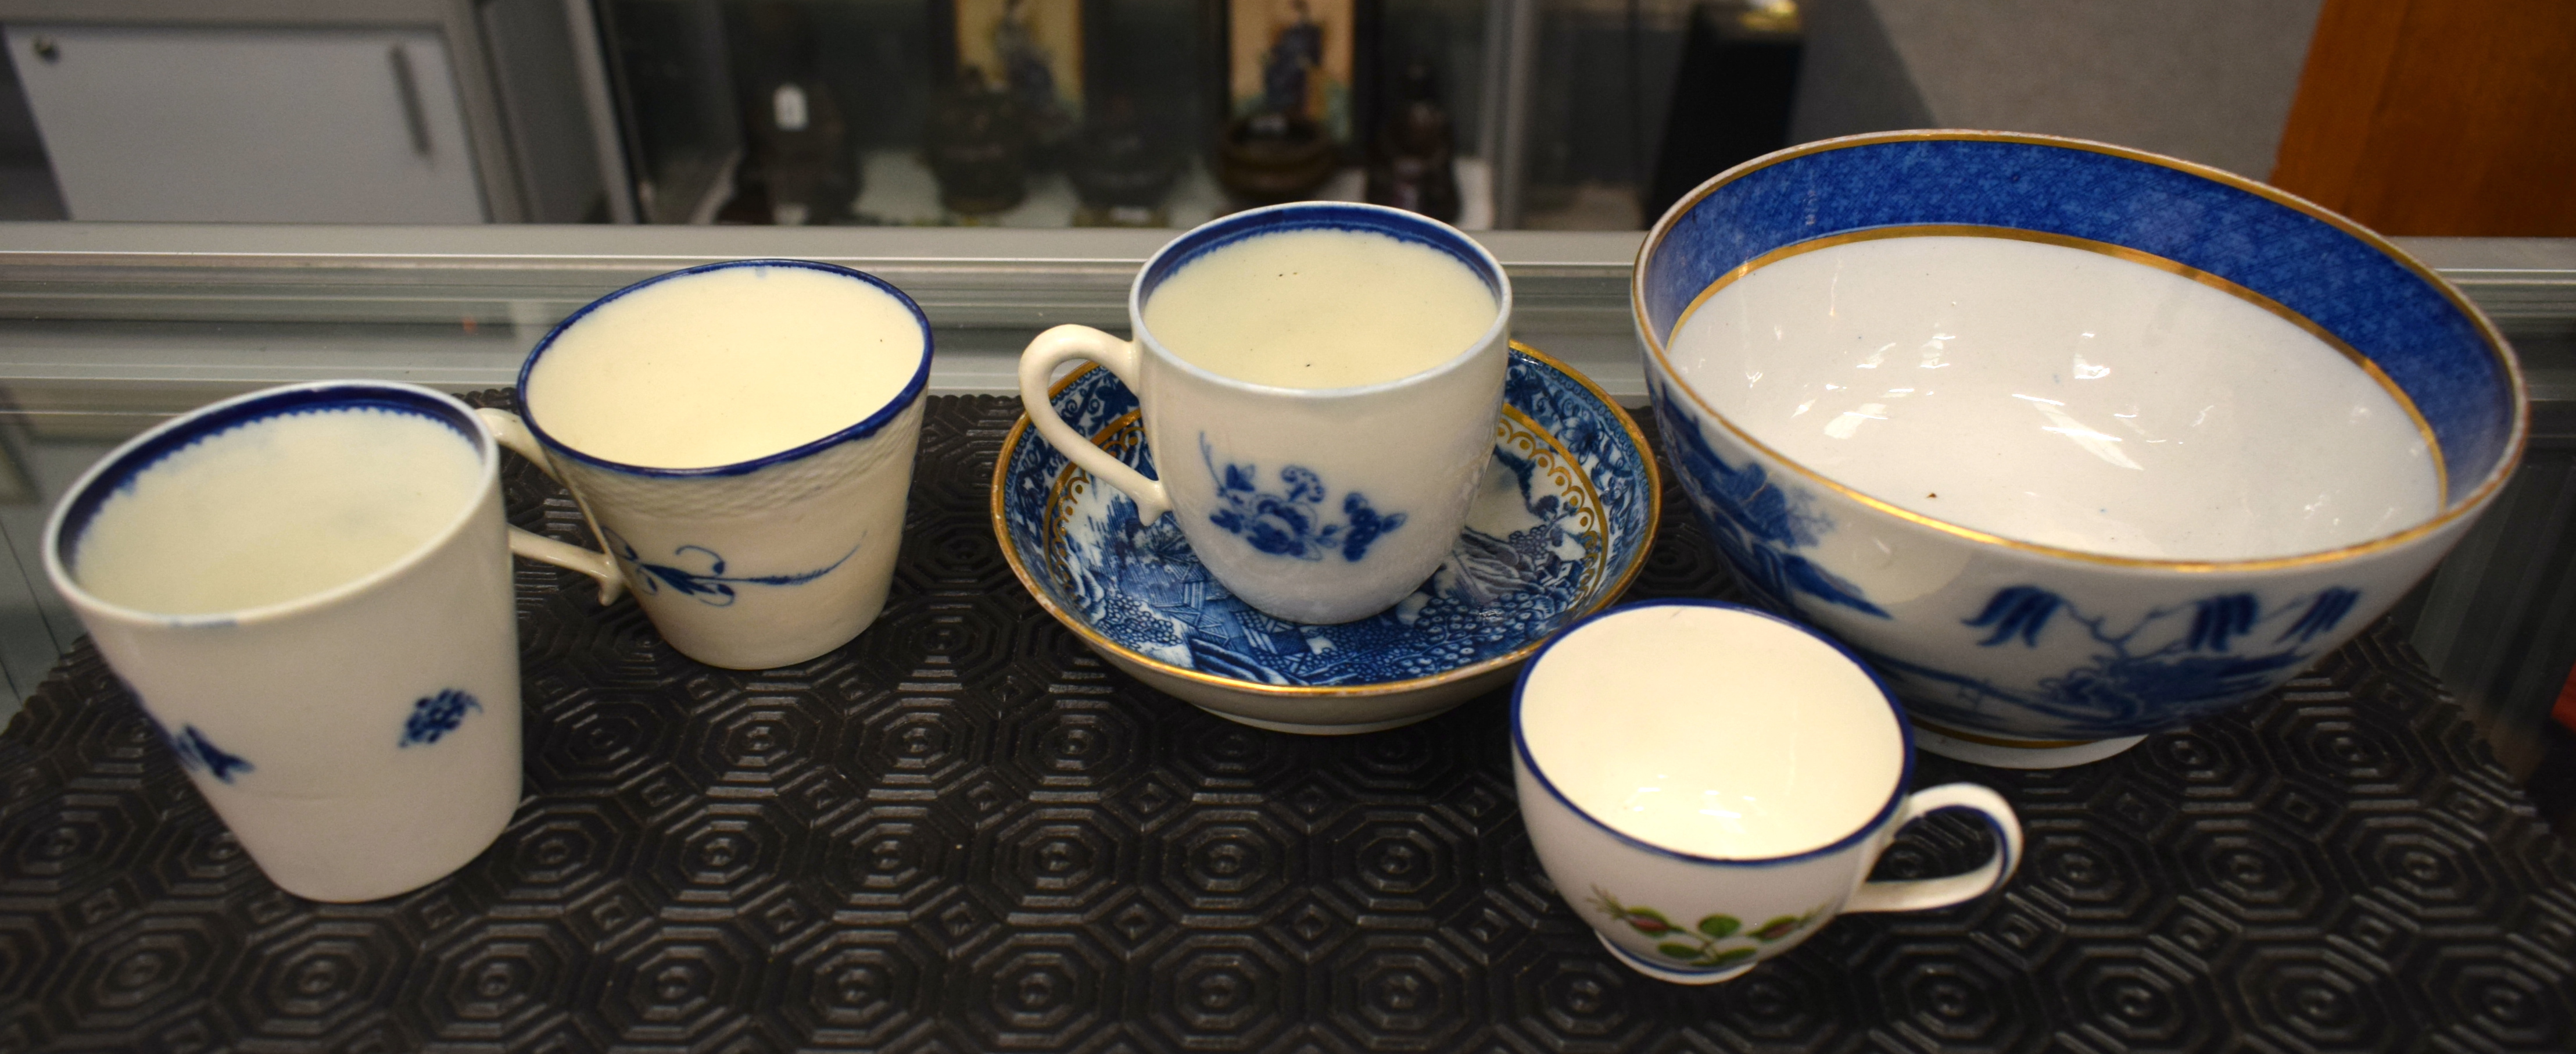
point(2434, 351)
point(2064, 647)
point(1580, 527)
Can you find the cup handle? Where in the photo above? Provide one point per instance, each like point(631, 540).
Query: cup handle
point(1942, 892)
point(1121, 357)
point(513, 433)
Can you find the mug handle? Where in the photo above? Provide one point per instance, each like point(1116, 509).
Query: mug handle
point(513, 433)
point(1920, 894)
point(1121, 357)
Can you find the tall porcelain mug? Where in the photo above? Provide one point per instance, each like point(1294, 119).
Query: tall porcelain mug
point(308, 590)
point(741, 437)
point(1708, 785)
point(1313, 504)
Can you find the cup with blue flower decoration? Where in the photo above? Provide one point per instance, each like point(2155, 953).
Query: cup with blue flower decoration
point(308, 590)
point(1709, 785)
point(1318, 385)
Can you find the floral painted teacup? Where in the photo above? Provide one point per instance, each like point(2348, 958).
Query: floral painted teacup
point(1312, 500)
point(1708, 785)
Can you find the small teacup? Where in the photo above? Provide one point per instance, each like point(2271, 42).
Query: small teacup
point(1317, 504)
point(757, 527)
point(308, 590)
point(1709, 785)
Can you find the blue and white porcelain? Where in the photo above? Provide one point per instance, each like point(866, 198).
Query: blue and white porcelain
point(360, 741)
point(1564, 513)
point(1795, 765)
point(760, 563)
point(2018, 652)
point(1318, 505)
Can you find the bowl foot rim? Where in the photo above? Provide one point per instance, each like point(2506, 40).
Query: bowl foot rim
point(1997, 752)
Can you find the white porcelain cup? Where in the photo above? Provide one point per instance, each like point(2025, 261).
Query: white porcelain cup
point(1708, 785)
point(361, 740)
point(1317, 505)
point(757, 563)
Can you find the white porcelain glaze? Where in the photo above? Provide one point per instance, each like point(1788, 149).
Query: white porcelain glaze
point(2084, 577)
point(2056, 395)
point(1794, 761)
point(773, 559)
point(730, 364)
point(1320, 309)
point(368, 486)
point(1316, 505)
point(360, 739)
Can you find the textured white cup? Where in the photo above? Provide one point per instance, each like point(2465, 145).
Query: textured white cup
point(759, 563)
point(1414, 447)
point(361, 741)
point(1681, 916)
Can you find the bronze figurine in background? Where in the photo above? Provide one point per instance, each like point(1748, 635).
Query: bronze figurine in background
point(977, 146)
point(1279, 152)
point(1412, 157)
point(799, 166)
point(1120, 174)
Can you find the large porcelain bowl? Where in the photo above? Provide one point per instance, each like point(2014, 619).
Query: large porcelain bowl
point(2018, 634)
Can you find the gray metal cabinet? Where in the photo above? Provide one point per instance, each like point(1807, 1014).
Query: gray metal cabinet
point(250, 124)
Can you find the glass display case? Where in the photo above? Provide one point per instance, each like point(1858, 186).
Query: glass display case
point(1013, 113)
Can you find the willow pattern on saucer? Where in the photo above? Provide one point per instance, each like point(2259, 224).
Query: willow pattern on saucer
point(1561, 524)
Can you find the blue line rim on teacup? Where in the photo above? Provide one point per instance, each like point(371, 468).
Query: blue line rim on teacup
point(118, 470)
point(2507, 458)
point(867, 426)
point(1326, 215)
point(1896, 712)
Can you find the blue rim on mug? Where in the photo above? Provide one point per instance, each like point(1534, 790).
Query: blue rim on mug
point(1321, 215)
point(118, 470)
point(1895, 796)
point(866, 426)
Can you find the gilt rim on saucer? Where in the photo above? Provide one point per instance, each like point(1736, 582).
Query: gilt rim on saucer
point(1653, 486)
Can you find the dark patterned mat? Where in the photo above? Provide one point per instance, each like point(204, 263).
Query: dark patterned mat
point(964, 832)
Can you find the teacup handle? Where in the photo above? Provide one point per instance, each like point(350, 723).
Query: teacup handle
point(513, 433)
point(1942, 892)
point(1121, 357)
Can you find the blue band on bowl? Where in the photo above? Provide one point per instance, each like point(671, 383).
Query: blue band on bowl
point(119, 475)
point(2433, 350)
point(1402, 226)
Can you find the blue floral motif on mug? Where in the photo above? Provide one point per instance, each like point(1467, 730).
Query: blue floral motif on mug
point(711, 586)
point(198, 754)
point(436, 716)
point(2225, 653)
point(1289, 524)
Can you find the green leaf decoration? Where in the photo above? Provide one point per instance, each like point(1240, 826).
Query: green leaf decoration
point(1720, 926)
point(1731, 957)
point(1778, 928)
point(1678, 950)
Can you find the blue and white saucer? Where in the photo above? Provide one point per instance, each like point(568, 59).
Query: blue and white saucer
point(1563, 524)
